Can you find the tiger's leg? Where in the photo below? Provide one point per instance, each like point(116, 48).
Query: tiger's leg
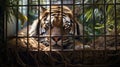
point(80, 46)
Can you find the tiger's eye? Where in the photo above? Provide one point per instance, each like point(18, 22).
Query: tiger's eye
point(67, 25)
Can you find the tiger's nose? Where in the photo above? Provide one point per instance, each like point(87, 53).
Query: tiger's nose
point(56, 38)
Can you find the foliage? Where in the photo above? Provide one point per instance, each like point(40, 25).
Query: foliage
point(99, 18)
point(11, 10)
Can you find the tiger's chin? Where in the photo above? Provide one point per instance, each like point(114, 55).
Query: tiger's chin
point(69, 46)
point(56, 46)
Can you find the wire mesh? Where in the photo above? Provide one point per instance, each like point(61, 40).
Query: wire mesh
point(100, 31)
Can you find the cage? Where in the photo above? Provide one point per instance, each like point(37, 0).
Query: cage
point(60, 33)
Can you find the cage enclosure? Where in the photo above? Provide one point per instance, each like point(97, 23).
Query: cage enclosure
point(62, 33)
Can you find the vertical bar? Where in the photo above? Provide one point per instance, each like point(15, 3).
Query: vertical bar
point(83, 31)
point(38, 22)
point(28, 6)
point(50, 26)
point(105, 51)
point(115, 25)
point(62, 23)
point(83, 24)
point(93, 23)
point(6, 20)
point(5, 30)
point(105, 23)
point(73, 36)
point(93, 3)
point(2, 32)
point(74, 23)
point(39, 28)
point(17, 23)
point(3, 26)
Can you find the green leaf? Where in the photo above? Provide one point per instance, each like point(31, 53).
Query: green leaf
point(88, 15)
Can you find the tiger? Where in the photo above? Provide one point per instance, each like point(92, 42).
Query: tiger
point(58, 28)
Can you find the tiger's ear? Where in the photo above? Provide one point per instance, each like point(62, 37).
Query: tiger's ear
point(41, 9)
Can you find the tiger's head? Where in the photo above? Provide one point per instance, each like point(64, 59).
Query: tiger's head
point(56, 25)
